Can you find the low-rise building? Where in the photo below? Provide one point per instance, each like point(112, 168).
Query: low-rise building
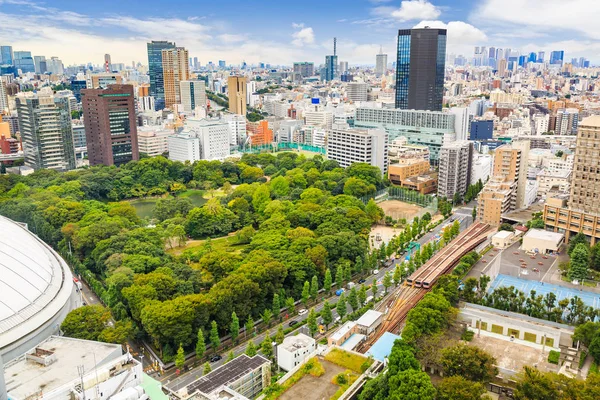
point(424, 184)
point(557, 181)
point(243, 376)
point(153, 141)
point(407, 168)
point(342, 334)
point(369, 322)
point(57, 367)
point(541, 241)
point(503, 239)
point(294, 350)
point(559, 218)
point(496, 198)
point(184, 147)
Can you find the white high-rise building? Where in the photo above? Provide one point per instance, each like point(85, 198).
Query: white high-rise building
point(357, 91)
point(461, 122)
point(455, 168)
point(184, 147)
point(567, 121)
point(540, 123)
point(343, 67)
point(250, 90)
point(55, 66)
point(193, 94)
point(350, 145)
point(237, 128)
point(145, 103)
point(3, 97)
point(214, 137)
point(316, 115)
point(380, 64)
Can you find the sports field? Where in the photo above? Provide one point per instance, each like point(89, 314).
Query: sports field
point(398, 209)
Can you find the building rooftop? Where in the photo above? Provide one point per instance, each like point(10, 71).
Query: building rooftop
point(35, 283)
point(369, 318)
point(353, 341)
point(26, 377)
point(541, 234)
point(383, 346)
point(593, 120)
point(517, 316)
point(503, 234)
point(226, 373)
point(293, 343)
point(344, 329)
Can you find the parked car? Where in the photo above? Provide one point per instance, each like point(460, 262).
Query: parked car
point(293, 323)
point(375, 271)
point(362, 281)
point(215, 358)
point(339, 292)
point(351, 285)
point(302, 311)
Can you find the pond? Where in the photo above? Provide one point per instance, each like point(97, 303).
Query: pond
point(145, 207)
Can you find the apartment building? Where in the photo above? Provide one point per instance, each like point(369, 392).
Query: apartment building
point(351, 145)
point(153, 140)
point(193, 94)
point(175, 70)
point(455, 168)
point(236, 86)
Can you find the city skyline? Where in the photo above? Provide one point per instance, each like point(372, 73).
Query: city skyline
point(80, 33)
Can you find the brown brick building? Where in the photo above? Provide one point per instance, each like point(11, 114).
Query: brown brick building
point(110, 125)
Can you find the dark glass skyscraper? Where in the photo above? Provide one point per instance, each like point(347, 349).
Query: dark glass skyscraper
point(331, 68)
point(420, 69)
point(155, 70)
point(6, 55)
point(557, 57)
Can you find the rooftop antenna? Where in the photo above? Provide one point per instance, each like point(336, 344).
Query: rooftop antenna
point(380, 49)
point(334, 46)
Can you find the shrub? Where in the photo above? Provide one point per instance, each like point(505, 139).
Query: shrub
point(553, 357)
point(341, 379)
point(467, 335)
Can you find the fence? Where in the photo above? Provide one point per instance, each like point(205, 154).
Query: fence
point(274, 147)
point(429, 203)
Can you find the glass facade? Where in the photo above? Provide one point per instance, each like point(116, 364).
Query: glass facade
point(420, 67)
point(155, 70)
point(6, 55)
point(24, 61)
point(331, 68)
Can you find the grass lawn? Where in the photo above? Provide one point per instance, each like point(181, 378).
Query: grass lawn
point(348, 360)
point(227, 244)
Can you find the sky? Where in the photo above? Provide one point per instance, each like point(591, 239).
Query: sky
point(281, 32)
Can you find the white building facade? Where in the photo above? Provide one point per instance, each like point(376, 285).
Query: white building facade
point(294, 350)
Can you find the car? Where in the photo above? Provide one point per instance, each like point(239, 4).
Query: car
point(293, 323)
point(339, 292)
point(215, 358)
point(375, 271)
point(303, 311)
point(362, 281)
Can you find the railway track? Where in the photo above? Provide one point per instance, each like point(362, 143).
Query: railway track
point(421, 281)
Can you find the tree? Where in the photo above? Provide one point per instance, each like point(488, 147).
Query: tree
point(267, 346)
point(234, 328)
point(290, 305)
point(280, 335)
point(339, 275)
point(397, 277)
point(374, 287)
point(362, 294)
point(586, 332)
point(579, 262)
point(505, 226)
point(206, 369)
point(340, 307)
point(411, 385)
point(559, 153)
point(535, 385)
point(353, 299)
point(328, 281)
point(469, 362)
point(215, 340)
point(326, 314)
point(374, 212)
point(180, 357)
point(314, 288)
point(251, 349)
point(267, 316)
point(249, 326)
point(387, 281)
point(305, 293)
point(86, 322)
point(474, 213)
point(459, 388)
point(311, 322)
point(230, 356)
point(200, 345)
point(457, 199)
point(276, 306)
point(575, 240)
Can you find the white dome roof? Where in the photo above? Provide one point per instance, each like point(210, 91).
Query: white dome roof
point(34, 281)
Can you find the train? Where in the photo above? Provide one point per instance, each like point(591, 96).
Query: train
point(441, 263)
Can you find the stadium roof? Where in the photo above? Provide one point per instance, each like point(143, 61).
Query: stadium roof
point(35, 282)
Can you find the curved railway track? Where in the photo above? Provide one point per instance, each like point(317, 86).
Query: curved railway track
point(412, 292)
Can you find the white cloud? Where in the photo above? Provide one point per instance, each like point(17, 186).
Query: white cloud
point(461, 36)
point(297, 26)
point(304, 36)
point(230, 38)
point(549, 15)
point(409, 10)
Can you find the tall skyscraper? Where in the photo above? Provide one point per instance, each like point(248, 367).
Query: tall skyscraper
point(46, 132)
point(502, 64)
point(343, 67)
point(107, 63)
point(193, 94)
point(303, 70)
point(540, 56)
point(222, 64)
point(380, 63)
point(24, 61)
point(420, 66)
point(236, 87)
point(557, 57)
point(3, 97)
point(155, 70)
point(331, 71)
point(110, 125)
point(40, 64)
point(175, 70)
point(6, 55)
